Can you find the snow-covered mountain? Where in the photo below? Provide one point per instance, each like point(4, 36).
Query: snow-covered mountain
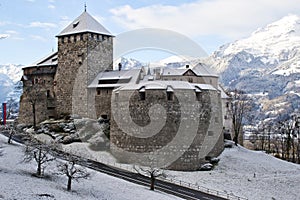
point(266, 65)
point(10, 85)
point(128, 63)
point(14, 72)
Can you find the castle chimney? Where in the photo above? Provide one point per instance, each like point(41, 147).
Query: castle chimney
point(187, 66)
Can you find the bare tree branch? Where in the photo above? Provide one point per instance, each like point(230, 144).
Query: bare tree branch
point(40, 153)
point(240, 106)
point(151, 172)
point(72, 171)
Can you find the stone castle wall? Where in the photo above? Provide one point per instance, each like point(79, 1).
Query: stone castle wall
point(195, 140)
point(80, 58)
point(37, 88)
point(103, 103)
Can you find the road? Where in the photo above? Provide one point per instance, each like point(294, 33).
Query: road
point(167, 187)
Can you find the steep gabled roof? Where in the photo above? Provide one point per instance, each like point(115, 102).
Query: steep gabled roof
point(84, 23)
point(49, 60)
point(203, 70)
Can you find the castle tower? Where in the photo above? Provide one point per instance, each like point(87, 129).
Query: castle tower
point(85, 48)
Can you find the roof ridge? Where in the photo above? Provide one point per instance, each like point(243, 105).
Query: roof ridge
point(84, 23)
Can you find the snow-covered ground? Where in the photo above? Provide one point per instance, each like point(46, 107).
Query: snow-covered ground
point(242, 172)
point(251, 174)
point(17, 182)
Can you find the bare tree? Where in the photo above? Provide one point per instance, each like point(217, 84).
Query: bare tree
point(11, 133)
point(1, 150)
point(151, 172)
point(33, 95)
point(240, 106)
point(40, 153)
point(72, 171)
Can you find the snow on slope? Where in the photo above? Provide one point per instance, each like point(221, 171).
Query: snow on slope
point(251, 174)
point(268, 47)
point(14, 72)
point(273, 41)
point(9, 77)
point(16, 182)
point(274, 178)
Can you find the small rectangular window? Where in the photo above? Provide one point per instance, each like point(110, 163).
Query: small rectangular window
point(98, 92)
point(142, 96)
point(170, 96)
point(104, 116)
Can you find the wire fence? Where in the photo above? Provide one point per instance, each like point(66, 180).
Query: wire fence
point(193, 186)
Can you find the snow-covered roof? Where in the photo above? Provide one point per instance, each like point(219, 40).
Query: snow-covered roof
point(84, 23)
point(167, 71)
point(200, 70)
point(167, 85)
point(203, 70)
point(223, 93)
point(204, 86)
point(116, 77)
point(50, 59)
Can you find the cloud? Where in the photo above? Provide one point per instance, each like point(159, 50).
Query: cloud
point(226, 18)
point(42, 25)
point(3, 23)
point(3, 36)
point(30, 0)
point(12, 32)
point(38, 37)
point(51, 1)
point(14, 35)
point(64, 21)
point(51, 7)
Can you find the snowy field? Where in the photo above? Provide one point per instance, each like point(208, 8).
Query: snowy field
point(242, 172)
point(250, 174)
point(245, 173)
point(17, 182)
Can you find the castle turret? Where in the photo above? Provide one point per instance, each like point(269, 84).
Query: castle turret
point(85, 48)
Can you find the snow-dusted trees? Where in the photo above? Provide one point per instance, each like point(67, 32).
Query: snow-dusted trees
point(289, 132)
point(70, 169)
point(240, 107)
point(40, 153)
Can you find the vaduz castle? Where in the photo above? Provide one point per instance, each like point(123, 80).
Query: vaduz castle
point(79, 79)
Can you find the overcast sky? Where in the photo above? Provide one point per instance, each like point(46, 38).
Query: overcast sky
point(28, 27)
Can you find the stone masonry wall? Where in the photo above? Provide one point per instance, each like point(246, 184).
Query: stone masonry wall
point(103, 102)
point(39, 89)
point(80, 58)
point(129, 147)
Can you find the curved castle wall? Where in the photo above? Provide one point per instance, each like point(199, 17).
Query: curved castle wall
point(182, 130)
